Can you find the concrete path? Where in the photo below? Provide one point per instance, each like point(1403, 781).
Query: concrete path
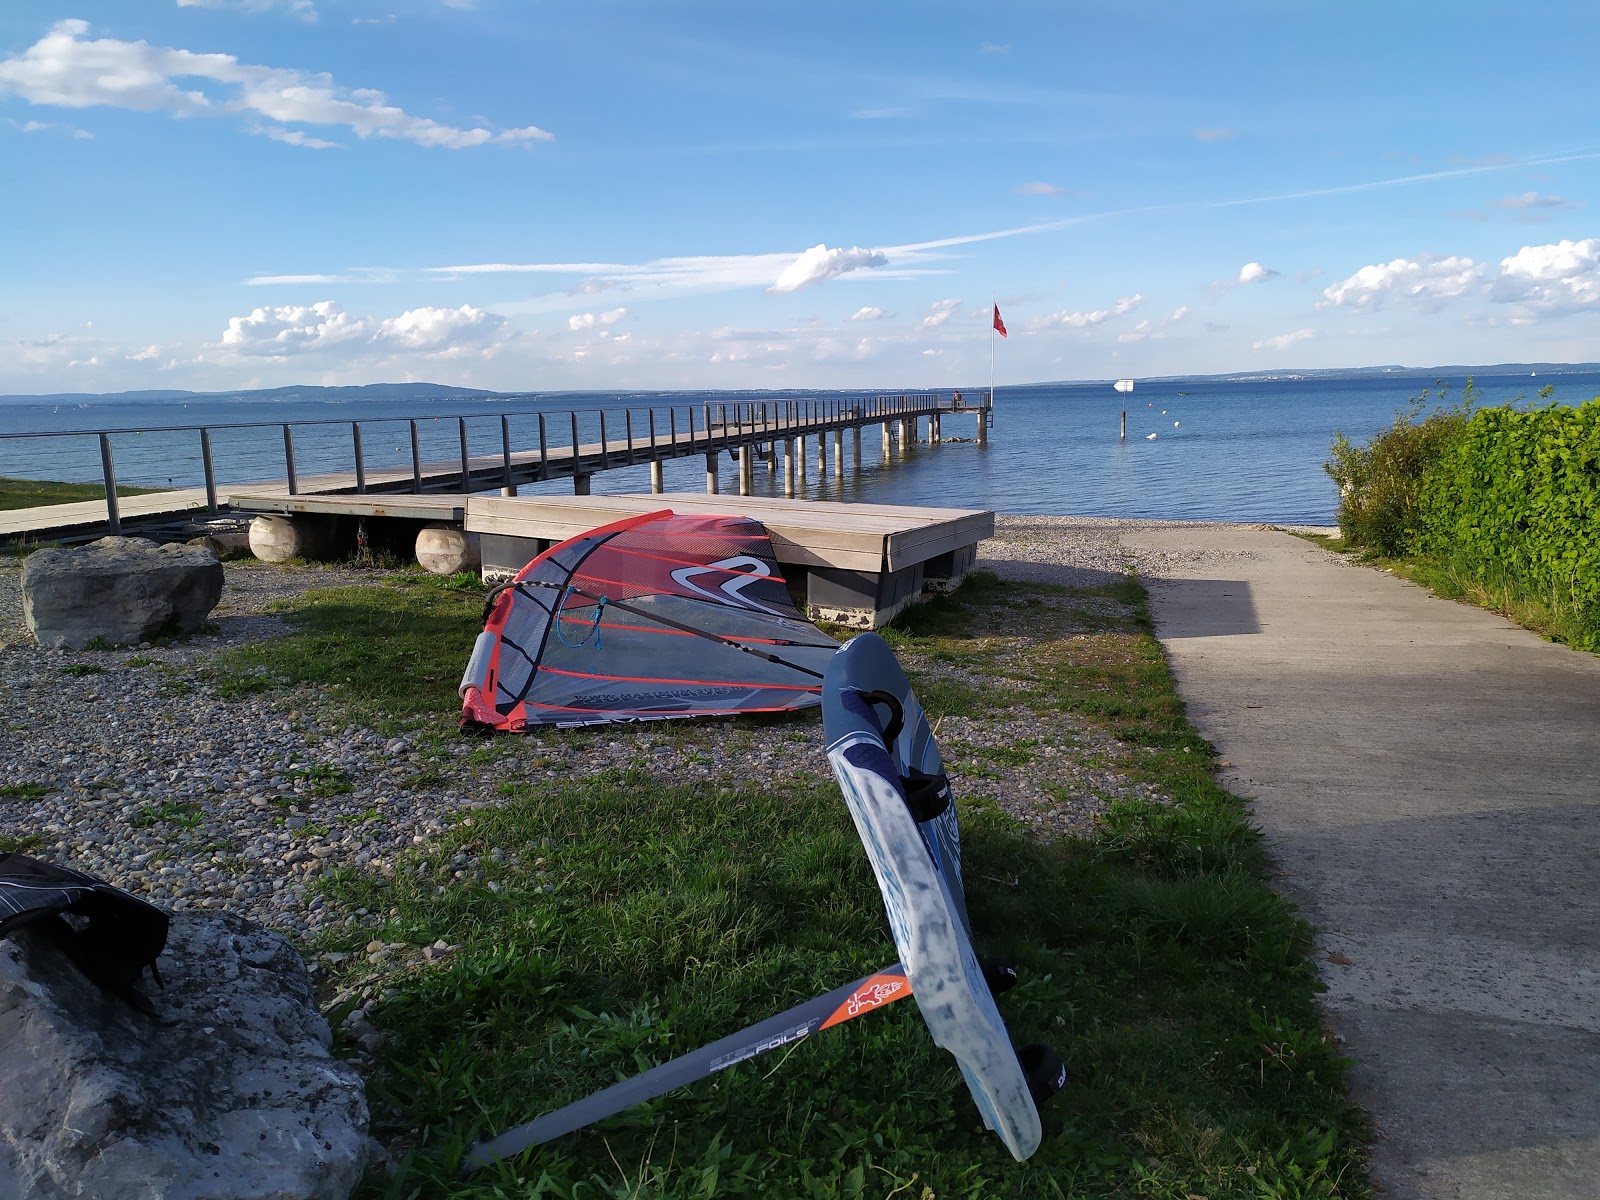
point(1428, 776)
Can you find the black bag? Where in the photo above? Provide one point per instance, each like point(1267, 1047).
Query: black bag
point(117, 937)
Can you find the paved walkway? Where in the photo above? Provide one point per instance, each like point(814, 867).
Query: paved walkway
point(1428, 776)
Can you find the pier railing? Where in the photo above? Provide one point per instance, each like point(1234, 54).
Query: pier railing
point(454, 452)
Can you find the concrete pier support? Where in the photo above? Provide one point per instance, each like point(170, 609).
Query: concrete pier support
point(746, 469)
point(788, 466)
point(580, 484)
point(822, 454)
point(855, 434)
point(772, 458)
point(657, 480)
point(838, 454)
point(983, 426)
point(887, 436)
point(934, 436)
point(711, 474)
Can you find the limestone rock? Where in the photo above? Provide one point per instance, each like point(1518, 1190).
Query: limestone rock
point(124, 590)
point(444, 549)
point(230, 1093)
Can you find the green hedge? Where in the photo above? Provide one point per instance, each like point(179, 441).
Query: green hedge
point(1515, 498)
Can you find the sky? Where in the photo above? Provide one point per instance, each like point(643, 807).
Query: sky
point(533, 195)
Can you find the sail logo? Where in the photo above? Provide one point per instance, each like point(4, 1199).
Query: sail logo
point(874, 994)
point(743, 571)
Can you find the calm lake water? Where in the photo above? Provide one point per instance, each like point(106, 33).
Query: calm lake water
point(1223, 450)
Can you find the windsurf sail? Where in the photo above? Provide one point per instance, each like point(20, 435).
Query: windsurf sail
point(656, 616)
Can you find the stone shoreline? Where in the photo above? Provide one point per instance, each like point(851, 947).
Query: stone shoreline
point(126, 764)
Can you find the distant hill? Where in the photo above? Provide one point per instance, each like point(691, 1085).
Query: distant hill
point(1430, 373)
point(365, 391)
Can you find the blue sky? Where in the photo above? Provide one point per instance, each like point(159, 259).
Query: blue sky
point(527, 195)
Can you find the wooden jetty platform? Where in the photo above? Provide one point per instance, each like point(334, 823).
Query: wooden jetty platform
point(859, 564)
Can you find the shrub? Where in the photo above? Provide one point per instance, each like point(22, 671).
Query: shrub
point(1381, 483)
point(1516, 501)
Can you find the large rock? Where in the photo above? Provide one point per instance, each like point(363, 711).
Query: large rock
point(444, 549)
point(231, 1092)
point(124, 590)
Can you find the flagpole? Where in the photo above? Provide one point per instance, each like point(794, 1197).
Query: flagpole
point(995, 305)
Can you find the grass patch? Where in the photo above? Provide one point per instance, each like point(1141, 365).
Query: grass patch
point(181, 814)
point(33, 493)
point(604, 924)
point(388, 652)
point(24, 791)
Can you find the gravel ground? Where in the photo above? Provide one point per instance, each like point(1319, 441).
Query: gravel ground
point(125, 764)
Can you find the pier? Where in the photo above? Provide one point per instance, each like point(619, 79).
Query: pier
point(340, 469)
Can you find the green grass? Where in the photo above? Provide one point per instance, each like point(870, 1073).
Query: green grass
point(635, 916)
point(32, 493)
point(388, 653)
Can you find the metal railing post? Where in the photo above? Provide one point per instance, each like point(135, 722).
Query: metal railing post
point(605, 453)
point(544, 452)
point(505, 455)
point(109, 472)
point(361, 466)
point(627, 421)
point(466, 467)
point(574, 416)
point(211, 475)
point(416, 461)
point(288, 460)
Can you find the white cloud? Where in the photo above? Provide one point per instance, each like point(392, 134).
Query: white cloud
point(144, 355)
point(1558, 278)
point(939, 312)
point(591, 320)
point(1254, 272)
point(1085, 320)
point(1137, 334)
point(64, 70)
point(1427, 283)
point(1529, 200)
point(1179, 313)
point(304, 9)
point(1284, 340)
point(819, 263)
point(931, 353)
point(324, 327)
point(867, 313)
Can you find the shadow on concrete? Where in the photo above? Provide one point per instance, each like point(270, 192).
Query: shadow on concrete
point(1204, 607)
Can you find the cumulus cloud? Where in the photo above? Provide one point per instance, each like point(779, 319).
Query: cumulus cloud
point(1086, 320)
point(1138, 333)
point(1254, 272)
point(867, 313)
point(939, 312)
point(1179, 313)
point(1559, 278)
point(66, 70)
point(589, 320)
point(1426, 283)
point(1284, 340)
point(294, 330)
point(819, 263)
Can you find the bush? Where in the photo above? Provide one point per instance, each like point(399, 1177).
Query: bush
point(1381, 483)
point(1515, 502)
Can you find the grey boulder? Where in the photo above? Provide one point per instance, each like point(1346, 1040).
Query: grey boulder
point(123, 590)
point(229, 1093)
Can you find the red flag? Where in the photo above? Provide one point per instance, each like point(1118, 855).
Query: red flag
point(999, 325)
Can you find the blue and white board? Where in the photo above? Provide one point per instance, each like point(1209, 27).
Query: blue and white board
point(918, 867)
